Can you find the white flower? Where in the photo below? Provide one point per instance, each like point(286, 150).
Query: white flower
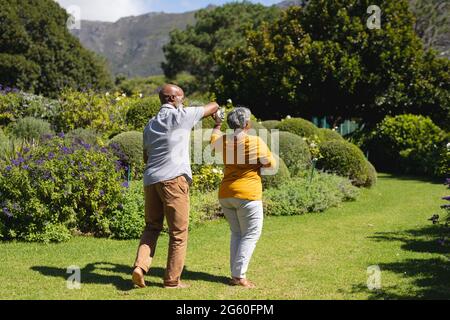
point(313, 145)
point(140, 95)
point(230, 101)
point(448, 146)
point(288, 117)
point(118, 99)
point(107, 94)
point(124, 95)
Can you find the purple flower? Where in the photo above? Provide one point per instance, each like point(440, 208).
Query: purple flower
point(125, 184)
point(102, 193)
point(39, 162)
point(26, 150)
point(104, 150)
point(446, 198)
point(8, 168)
point(25, 167)
point(21, 160)
point(15, 162)
point(61, 135)
point(51, 155)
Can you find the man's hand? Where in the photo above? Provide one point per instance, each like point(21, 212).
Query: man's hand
point(210, 109)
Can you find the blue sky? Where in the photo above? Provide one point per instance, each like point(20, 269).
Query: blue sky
point(112, 10)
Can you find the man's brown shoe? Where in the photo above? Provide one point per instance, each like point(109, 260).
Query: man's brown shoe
point(138, 277)
point(180, 285)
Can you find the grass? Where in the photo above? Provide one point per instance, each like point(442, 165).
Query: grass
point(315, 256)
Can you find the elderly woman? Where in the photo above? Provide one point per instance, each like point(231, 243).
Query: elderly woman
point(240, 192)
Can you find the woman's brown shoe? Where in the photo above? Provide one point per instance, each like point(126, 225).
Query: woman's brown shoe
point(242, 283)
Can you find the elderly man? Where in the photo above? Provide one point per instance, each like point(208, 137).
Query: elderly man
point(167, 178)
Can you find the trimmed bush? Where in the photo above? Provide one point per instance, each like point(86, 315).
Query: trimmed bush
point(128, 146)
point(271, 124)
point(141, 111)
point(345, 159)
point(298, 196)
point(329, 135)
point(295, 152)
point(406, 144)
point(300, 127)
point(282, 175)
point(56, 188)
point(30, 129)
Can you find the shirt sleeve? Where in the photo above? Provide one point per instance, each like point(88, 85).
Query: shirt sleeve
point(216, 141)
point(265, 157)
point(192, 116)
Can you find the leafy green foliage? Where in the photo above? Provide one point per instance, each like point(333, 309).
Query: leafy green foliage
point(128, 221)
point(206, 177)
point(57, 187)
point(44, 64)
point(299, 195)
point(407, 144)
point(295, 152)
point(104, 113)
point(193, 50)
point(278, 179)
point(29, 129)
point(89, 136)
point(328, 135)
point(271, 124)
point(298, 126)
point(128, 146)
point(16, 105)
point(141, 111)
point(324, 61)
point(347, 160)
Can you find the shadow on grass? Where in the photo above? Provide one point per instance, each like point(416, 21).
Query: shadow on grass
point(90, 275)
point(407, 177)
point(430, 277)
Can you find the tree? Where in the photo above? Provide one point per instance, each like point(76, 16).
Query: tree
point(324, 61)
point(194, 49)
point(38, 54)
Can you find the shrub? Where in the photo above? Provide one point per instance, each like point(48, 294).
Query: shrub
point(30, 129)
point(271, 124)
point(17, 105)
point(141, 111)
point(299, 196)
point(104, 113)
point(295, 152)
point(128, 221)
point(406, 144)
point(282, 175)
point(89, 136)
point(345, 159)
point(57, 187)
point(300, 127)
point(206, 177)
point(128, 146)
point(4, 142)
point(443, 164)
point(204, 206)
point(329, 135)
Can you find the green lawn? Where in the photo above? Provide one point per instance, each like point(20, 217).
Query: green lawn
point(316, 256)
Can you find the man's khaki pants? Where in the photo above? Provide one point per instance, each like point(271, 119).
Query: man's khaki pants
point(170, 199)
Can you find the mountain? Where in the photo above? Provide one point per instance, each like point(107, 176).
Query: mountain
point(133, 45)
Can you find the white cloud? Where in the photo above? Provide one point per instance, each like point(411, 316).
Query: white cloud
point(107, 10)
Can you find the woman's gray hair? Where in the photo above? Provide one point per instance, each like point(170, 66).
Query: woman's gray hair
point(238, 118)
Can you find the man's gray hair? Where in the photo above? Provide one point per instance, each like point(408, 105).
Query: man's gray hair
point(238, 118)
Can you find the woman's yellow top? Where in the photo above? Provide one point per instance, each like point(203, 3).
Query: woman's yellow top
point(243, 158)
